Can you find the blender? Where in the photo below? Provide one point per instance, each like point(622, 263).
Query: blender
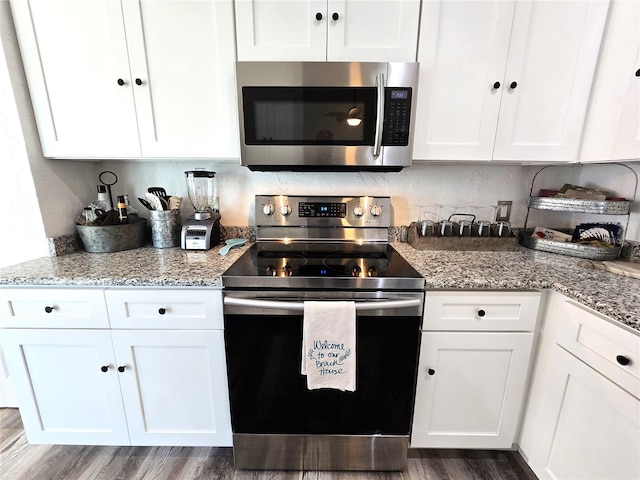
point(201, 231)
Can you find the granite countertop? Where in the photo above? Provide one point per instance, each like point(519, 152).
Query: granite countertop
point(613, 295)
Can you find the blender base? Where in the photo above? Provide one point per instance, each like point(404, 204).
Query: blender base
point(200, 234)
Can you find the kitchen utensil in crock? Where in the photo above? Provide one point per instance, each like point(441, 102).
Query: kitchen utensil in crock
point(145, 203)
point(108, 178)
point(154, 200)
point(174, 203)
point(158, 191)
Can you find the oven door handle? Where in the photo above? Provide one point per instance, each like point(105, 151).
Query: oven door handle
point(377, 143)
point(299, 306)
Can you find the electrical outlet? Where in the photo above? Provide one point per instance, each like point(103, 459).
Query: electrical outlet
point(503, 212)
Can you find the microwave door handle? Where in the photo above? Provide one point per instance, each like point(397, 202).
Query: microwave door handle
point(377, 144)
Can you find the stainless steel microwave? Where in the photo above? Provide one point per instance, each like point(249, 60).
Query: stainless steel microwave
point(333, 116)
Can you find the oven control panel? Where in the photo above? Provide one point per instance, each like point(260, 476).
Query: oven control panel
point(322, 211)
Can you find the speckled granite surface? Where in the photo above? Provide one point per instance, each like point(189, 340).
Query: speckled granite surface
point(147, 266)
point(615, 296)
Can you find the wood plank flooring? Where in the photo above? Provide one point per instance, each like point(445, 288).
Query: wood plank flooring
point(21, 461)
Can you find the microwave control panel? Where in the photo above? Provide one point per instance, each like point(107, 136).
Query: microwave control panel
point(397, 113)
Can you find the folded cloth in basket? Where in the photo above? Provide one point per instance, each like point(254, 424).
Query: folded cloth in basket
point(329, 345)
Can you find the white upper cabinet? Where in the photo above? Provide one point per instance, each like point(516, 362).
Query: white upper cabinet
point(462, 52)
point(183, 53)
point(327, 30)
point(80, 108)
point(505, 80)
point(612, 130)
point(130, 78)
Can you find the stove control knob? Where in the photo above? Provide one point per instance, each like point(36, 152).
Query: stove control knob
point(271, 270)
point(355, 271)
point(268, 209)
point(358, 211)
point(287, 270)
point(285, 210)
point(376, 210)
point(373, 271)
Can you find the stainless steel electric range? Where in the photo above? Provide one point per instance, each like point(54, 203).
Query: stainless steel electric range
point(312, 248)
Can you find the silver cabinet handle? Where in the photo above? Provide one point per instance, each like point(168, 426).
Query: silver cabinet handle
point(377, 144)
point(299, 306)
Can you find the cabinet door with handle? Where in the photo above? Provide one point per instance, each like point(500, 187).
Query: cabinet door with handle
point(174, 386)
point(75, 59)
point(612, 130)
point(372, 30)
point(462, 54)
point(552, 59)
point(182, 68)
point(470, 389)
point(67, 386)
point(589, 427)
point(281, 30)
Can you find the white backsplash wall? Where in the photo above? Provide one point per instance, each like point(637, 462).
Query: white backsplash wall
point(436, 190)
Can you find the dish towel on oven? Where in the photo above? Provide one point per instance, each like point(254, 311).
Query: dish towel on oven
point(329, 345)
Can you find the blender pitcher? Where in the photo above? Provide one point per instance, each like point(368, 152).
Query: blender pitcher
point(202, 188)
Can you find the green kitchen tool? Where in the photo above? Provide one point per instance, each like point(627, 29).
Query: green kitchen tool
point(231, 243)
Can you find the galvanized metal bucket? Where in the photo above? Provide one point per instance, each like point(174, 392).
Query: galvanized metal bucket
point(113, 238)
point(165, 228)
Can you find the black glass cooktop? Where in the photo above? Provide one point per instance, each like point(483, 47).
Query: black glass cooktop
point(309, 265)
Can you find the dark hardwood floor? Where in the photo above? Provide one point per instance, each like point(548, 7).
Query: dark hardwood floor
point(21, 461)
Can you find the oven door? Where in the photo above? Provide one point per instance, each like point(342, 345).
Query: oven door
point(269, 395)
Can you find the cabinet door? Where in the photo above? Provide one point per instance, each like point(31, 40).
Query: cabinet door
point(74, 55)
point(183, 55)
point(64, 395)
point(552, 57)
point(590, 427)
point(372, 30)
point(288, 30)
point(174, 386)
point(462, 54)
point(470, 389)
point(612, 131)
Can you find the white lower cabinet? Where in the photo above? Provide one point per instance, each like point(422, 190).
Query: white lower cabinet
point(67, 386)
point(174, 386)
point(473, 368)
point(591, 427)
point(135, 386)
point(469, 389)
point(582, 419)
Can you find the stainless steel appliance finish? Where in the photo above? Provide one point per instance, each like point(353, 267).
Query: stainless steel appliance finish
point(320, 452)
point(293, 115)
point(320, 248)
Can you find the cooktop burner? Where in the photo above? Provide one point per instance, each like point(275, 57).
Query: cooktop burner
point(339, 266)
point(322, 242)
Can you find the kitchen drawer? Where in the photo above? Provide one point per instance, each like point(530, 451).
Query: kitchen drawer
point(481, 311)
point(52, 308)
point(604, 346)
point(165, 308)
